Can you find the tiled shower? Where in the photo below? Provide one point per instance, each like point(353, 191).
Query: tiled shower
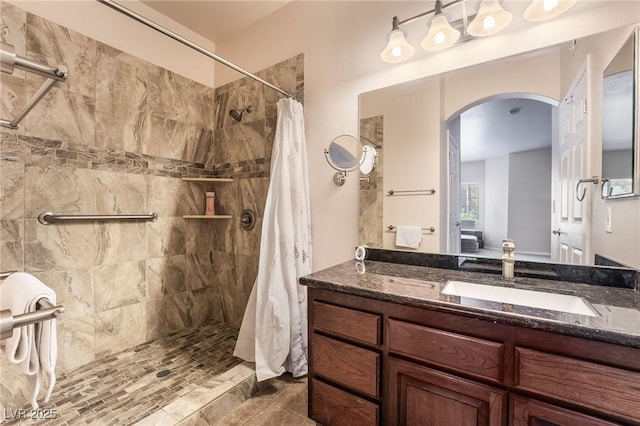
point(115, 138)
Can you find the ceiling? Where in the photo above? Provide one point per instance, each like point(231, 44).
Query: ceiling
point(213, 19)
point(489, 129)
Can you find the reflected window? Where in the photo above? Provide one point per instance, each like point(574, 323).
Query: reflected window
point(469, 205)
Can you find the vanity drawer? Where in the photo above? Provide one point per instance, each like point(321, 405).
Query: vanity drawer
point(607, 389)
point(331, 406)
point(347, 365)
point(345, 322)
point(478, 357)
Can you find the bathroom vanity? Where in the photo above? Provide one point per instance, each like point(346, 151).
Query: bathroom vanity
point(388, 346)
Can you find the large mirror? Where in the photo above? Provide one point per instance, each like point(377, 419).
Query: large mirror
point(620, 123)
point(496, 151)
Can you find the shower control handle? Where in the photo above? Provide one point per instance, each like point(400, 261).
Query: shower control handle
point(247, 219)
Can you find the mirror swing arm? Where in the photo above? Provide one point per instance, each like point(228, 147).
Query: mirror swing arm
point(346, 154)
point(339, 177)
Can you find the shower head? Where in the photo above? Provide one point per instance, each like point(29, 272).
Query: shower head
point(236, 114)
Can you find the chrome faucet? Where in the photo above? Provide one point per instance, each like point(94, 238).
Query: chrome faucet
point(508, 258)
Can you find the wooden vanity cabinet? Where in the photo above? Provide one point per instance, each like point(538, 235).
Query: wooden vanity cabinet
point(381, 363)
point(420, 395)
point(530, 412)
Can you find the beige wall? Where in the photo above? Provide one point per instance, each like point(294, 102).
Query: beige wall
point(341, 49)
point(100, 22)
point(411, 135)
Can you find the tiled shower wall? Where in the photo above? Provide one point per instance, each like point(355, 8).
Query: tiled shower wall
point(116, 137)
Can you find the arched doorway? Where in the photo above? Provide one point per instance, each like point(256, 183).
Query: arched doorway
point(501, 175)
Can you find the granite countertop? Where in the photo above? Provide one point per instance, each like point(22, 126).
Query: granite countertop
point(618, 308)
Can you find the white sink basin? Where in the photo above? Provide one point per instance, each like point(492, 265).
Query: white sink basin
point(515, 296)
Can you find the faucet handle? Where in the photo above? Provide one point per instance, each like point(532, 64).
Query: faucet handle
point(508, 244)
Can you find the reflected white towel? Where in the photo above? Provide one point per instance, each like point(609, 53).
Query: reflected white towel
point(408, 236)
point(33, 347)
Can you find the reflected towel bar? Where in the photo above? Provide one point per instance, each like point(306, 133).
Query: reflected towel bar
point(390, 228)
point(48, 218)
point(413, 192)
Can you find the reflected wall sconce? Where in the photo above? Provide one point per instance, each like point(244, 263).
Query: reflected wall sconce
point(489, 18)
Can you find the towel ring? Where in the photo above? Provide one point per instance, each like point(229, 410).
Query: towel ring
point(594, 180)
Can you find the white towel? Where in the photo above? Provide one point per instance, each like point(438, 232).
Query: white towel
point(34, 347)
point(408, 236)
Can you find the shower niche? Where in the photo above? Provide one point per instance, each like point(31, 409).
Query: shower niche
point(207, 180)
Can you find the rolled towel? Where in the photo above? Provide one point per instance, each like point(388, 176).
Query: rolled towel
point(34, 347)
point(408, 236)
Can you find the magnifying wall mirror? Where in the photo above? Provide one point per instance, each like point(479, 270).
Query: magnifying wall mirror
point(346, 154)
point(620, 138)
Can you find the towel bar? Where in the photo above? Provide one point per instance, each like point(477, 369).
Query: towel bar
point(390, 228)
point(412, 192)
point(8, 322)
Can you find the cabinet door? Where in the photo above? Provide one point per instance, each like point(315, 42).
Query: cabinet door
point(422, 396)
point(529, 412)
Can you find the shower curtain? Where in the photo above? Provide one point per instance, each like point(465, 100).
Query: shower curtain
point(274, 328)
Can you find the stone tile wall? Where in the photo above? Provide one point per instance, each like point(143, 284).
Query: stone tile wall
point(243, 151)
point(371, 191)
point(116, 137)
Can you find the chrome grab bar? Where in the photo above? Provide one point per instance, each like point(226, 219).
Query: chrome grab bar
point(48, 218)
point(392, 227)
point(9, 61)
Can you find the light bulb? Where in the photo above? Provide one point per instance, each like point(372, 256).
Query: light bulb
point(488, 22)
point(549, 5)
point(440, 38)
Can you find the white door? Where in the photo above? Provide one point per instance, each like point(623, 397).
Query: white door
point(570, 231)
point(454, 196)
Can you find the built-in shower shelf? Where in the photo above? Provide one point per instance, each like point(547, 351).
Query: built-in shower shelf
point(202, 216)
point(207, 179)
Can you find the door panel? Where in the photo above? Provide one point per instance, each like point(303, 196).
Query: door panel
point(570, 244)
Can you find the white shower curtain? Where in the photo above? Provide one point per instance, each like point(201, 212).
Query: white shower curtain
point(274, 328)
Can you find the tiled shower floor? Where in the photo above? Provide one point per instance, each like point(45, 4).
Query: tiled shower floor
point(124, 388)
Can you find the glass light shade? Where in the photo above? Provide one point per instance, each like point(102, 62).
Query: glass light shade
point(490, 19)
point(398, 48)
point(441, 34)
point(539, 10)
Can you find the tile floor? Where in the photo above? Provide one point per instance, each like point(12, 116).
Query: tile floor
point(125, 388)
point(279, 402)
point(207, 386)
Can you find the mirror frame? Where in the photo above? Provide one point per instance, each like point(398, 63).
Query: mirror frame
point(635, 142)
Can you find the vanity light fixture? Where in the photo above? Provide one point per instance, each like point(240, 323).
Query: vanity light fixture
point(441, 34)
point(398, 48)
point(490, 18)
point(540, 10)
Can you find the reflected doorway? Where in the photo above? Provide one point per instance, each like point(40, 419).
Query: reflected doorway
point(505, 178)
